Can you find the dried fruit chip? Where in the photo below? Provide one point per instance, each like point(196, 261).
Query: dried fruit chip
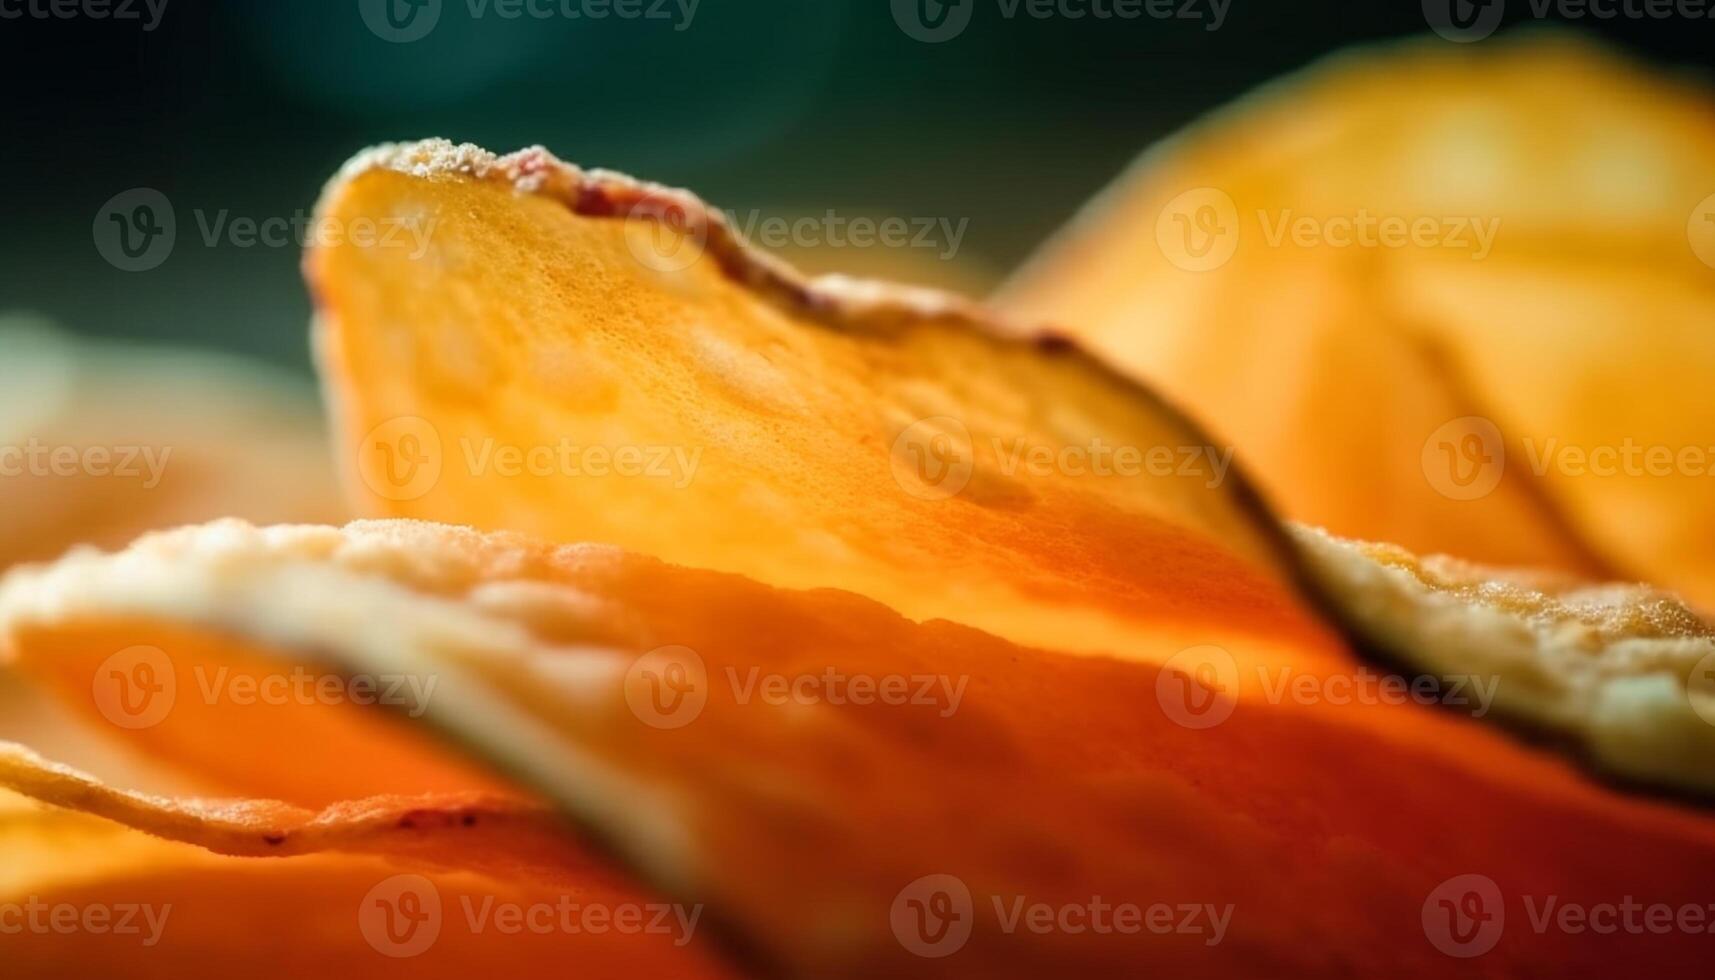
point(749, 748)
point(589, 358)
point(1450, 297)
point(630, 290)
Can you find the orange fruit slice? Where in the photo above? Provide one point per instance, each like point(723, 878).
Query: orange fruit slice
point(588, 358)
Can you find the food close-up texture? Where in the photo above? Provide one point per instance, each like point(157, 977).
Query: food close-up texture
point(1300, 564)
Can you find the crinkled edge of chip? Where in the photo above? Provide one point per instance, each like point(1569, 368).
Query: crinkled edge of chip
point(266, 828)
point(1606, 667)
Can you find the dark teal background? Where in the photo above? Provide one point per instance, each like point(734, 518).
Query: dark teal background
point(778, 105)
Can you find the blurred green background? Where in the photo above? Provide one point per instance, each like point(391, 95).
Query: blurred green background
point(242, 108)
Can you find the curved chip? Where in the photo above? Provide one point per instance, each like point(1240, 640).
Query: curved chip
point(588, 358)
point(749, 749)
point(1453, 297)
